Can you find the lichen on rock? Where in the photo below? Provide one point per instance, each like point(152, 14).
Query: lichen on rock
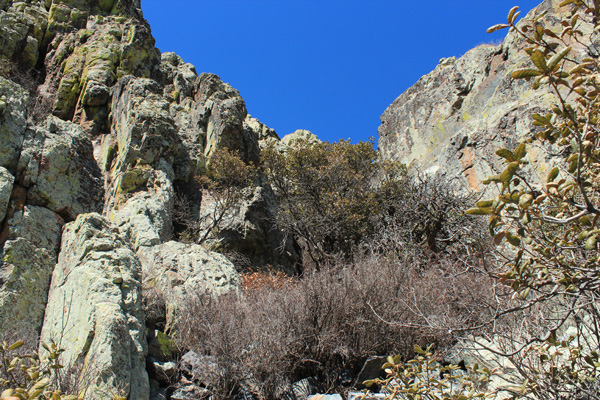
point(95, 309)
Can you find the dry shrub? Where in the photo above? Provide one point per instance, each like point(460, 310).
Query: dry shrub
point(265, 280)
point(10, 336)
point(277, 331)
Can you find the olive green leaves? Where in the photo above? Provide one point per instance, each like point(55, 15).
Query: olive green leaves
point(512, 17)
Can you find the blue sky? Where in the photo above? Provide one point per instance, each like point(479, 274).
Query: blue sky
point(329, 66)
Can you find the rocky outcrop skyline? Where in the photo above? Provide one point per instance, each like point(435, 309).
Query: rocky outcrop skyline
point(454, 118)
point(100, 134)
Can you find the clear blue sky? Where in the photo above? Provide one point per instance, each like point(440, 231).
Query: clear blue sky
point(329, 66)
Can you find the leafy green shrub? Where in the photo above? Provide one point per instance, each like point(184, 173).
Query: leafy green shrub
point(424, 378)
point(327, 193)
point(27, 376)
point(224, 183)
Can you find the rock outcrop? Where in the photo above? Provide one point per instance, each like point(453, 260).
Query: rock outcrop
point(177, 272)
point(95, 309)
point(455, 118)
point(99, 133)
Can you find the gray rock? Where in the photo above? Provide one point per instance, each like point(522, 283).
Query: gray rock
point(13, 106)
point(370, 396)
point(95, 94)
point(144, 128)
point(325, 397)
point(301, 135)
point(57, 164)
point(95, 308)
point(21, 32)
point(214, 118)
point(454, 119)
point(6, 185)
point(145, 215)
point(223, 112)
point(260, 130)
point(178, 271)
point(25, 272)
point(190, 392)
point(306, 387)
point(163, 372)
point(180, 78)
point(193, 364)
point(38, 225)
point(29, 256)
point(371, 370)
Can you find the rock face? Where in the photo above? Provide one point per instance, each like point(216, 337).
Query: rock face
point(99, 134)
point(176, 271)
point(455, 118)
point(95, 309)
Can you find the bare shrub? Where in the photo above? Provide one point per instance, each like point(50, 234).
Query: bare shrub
point(279, 330)
point(428, 211)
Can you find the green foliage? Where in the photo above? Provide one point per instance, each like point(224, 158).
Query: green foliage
point(424, 378)
point(167, 345)
point(28, 377)
point(553, 226)
point(329, 192)
point(224, 183)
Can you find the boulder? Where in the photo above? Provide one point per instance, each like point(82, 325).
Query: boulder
point(371, 370)
point(300, 135)
point(58, 167)
point(176, 272)
point(6, 185)
point(162, 371)
point(13, 108)
point(95, 309)
point(201, 369)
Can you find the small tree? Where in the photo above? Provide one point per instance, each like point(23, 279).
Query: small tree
point(224, 183)
point(329, 193)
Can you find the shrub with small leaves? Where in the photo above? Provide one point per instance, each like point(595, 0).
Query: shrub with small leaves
point(28, 377)
point(553, 227)
point(424, 378)
point(224, 182)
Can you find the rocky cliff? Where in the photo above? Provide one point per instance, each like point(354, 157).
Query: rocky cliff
point(99, 133)
point(454, 119)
